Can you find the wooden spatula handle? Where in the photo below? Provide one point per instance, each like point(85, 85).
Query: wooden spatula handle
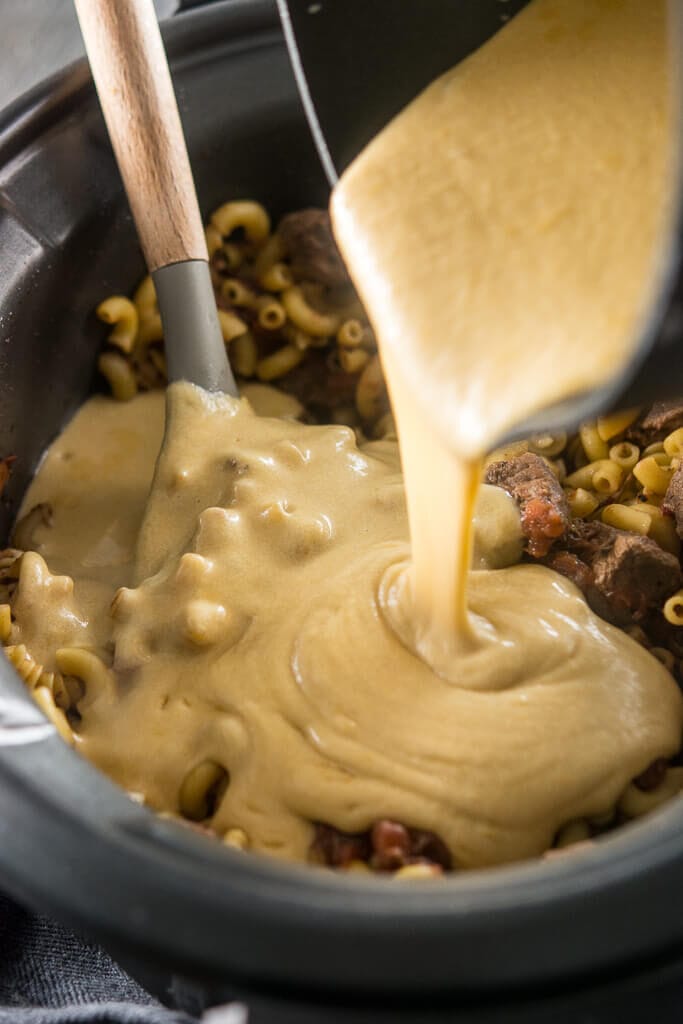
point(131, 73)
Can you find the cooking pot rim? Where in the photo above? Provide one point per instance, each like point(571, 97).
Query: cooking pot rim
point(84, 851)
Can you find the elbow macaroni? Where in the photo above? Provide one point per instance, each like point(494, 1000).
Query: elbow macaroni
point(250, 217)
point(302, 314)
point(673, 609)
point(200, 790)
point(121, 312)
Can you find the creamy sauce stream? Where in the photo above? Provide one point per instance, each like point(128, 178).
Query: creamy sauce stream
point(504, 234)
point(268, 615)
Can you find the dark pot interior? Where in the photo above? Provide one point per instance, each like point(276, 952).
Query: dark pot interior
point(170, 902)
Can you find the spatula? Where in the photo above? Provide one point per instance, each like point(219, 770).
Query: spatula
point(133, 81)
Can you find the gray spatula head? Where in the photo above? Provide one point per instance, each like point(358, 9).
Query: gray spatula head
point(195, 350)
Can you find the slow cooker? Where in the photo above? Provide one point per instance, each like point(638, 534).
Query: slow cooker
point(592, 936)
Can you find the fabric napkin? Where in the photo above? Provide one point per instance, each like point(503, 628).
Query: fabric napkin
point(50, 976)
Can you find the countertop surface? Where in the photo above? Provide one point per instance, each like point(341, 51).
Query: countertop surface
point(37, 37)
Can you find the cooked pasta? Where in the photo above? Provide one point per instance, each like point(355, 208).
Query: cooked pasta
point(237, 838)
point(673, 609)
point(265, 310)
point(353, 360)
point(300, 339)
point(270, 313)
point(88, 667)
point(232, 326)
point(548, 445)
point(5, 622)
point(607, 477)
point(46, 702)
point(214, 239)
point(609, 427)
point(572, 833)
point(662, 528)
point(28, 668)
point(200, 789)
point(145, 297)
point(625, 517)
point(121, 312)
point(119, 374)
point(625, 455)
point(350, 334)
point(371, 396)
point(150, 329)
point(26, 527)
point(582, 502)
point(664, 655)
point(303, 315)
point(237, 293)
point(595, 448)
point(245, 215)
point(279, 363)
point(635, 802)
point(603, 476)
point(653, 473)
point(271, 253)
point(673, 443)
point(418, 872)
point(244, 354)
point(276, 278)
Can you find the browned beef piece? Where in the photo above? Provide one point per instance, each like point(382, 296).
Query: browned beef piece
point(387, 846)
point(311, 247)
point(542, 502)
point(320, 387)
point(394, 845)
point(673, 500)
point(657, 422)
point(625, 577)
point(661, 633)
point(338, 849)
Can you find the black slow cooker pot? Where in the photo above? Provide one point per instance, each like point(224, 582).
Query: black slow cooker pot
point(596, 936)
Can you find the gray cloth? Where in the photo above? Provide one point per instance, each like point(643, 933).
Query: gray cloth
point(50, 976)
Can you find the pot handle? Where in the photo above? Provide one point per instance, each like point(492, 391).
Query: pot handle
point(133, 81)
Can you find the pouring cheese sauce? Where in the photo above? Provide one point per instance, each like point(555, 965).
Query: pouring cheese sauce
point(503, 233)
point(266, 624)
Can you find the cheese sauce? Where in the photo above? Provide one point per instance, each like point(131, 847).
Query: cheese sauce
point(504, 233)
point(269, 616)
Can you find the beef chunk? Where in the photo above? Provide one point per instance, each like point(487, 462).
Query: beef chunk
point(673, 500)
point(387, 846)
point(338, 849)
point(311, 247)
point(5, 470)
point(625, 577)
point(660, 633)
point(320, 388)
point(657, 422)
point(542, 502)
